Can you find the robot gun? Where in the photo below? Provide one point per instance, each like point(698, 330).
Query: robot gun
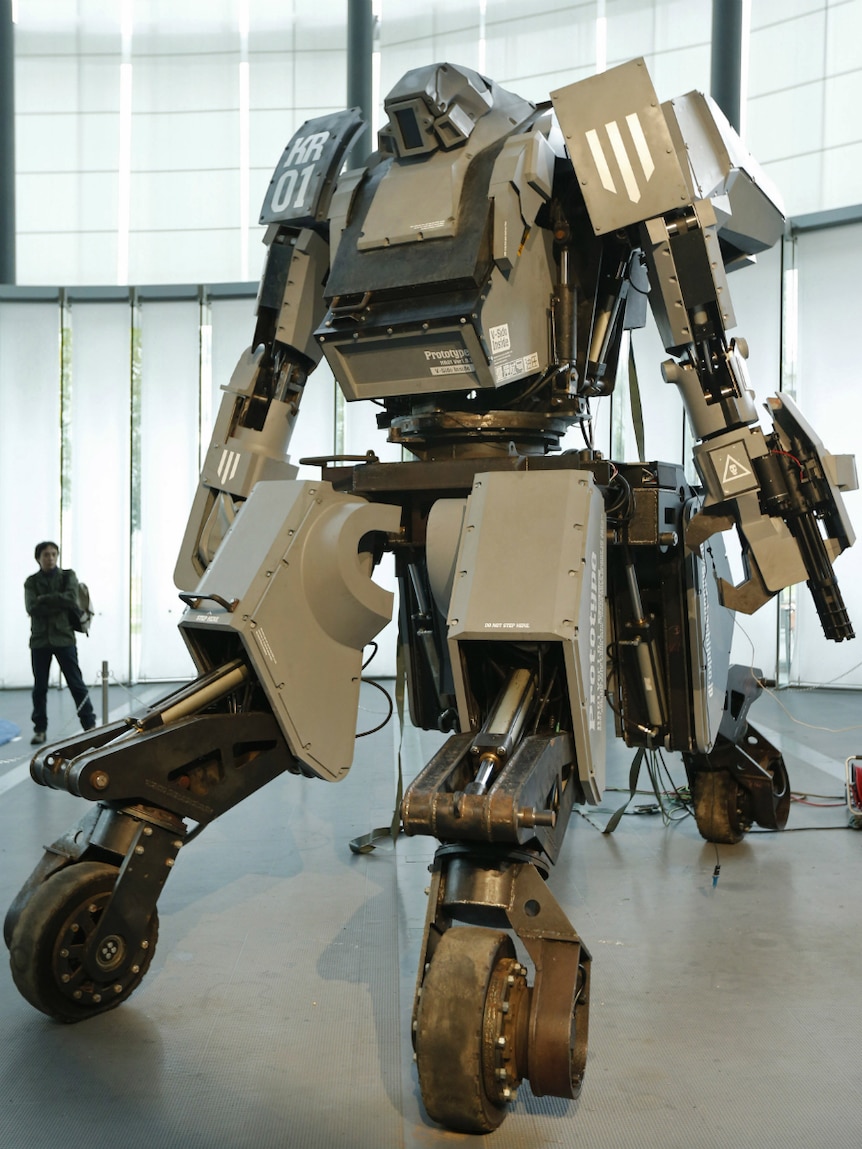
point(782, 490)
point(797, 483)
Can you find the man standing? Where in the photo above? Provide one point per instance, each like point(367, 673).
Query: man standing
point(49, 596)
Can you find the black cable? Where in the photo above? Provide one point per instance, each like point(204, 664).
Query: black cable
point(388, 697)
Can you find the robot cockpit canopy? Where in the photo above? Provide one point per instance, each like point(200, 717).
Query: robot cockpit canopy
point(434, 107)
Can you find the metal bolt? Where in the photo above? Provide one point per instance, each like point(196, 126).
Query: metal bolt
point(100, 780)
point(76, 994)
point(501, 1074)
point(145, 945)
point(507, 1093)
point(64, 953)
point(147, 831)
point(139, 849)
point(501, 1042)
point(66, 977)
point(136, 969)
point(169, 861)
point(91, 908)
point(118, 988)
point(511, 979)
point(177, 844)
point(97, 997)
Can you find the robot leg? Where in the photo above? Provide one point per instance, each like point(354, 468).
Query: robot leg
point(526, 643)
point(479, 1028)
point(277, 627)
point(83, 929)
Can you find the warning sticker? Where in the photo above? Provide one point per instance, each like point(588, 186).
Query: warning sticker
point(733, 469)
point(515, 368)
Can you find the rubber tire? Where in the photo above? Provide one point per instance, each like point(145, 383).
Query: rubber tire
point(450, 1030)
point(41, 926)
point(716, 807)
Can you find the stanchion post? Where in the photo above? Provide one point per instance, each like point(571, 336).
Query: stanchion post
point(104, 694)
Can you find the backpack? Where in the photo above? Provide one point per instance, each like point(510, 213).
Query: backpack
point(82, 615)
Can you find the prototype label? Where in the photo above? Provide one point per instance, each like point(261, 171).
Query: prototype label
point(450, 361)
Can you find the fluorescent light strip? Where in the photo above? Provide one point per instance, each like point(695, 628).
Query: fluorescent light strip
point(483, 7)
point(601, 37)
point(244, 167)
point(124, 156)
point(124, 174)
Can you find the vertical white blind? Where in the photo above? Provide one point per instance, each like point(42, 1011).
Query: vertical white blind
point(96, 506)
point(29, 465)
point(829, 394)
point(168, 446)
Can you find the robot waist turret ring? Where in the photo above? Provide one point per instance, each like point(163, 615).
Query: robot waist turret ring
point(477, 280)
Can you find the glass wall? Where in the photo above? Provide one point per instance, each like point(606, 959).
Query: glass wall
point(804, 86)
point(829, 390)
point(147, 132)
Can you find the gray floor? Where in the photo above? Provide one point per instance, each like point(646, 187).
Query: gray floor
point(276, 1010)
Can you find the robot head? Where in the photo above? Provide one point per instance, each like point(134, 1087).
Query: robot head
point(434, 107)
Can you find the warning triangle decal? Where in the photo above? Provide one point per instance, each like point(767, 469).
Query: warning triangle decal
point(733, 469)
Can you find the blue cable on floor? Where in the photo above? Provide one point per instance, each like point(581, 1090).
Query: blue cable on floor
point(8, 731)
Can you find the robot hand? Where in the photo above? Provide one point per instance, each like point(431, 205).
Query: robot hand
point(783, 493)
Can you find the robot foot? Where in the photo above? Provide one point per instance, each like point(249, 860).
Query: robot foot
point(82, 930)
point(479, 1028)
point(53, 962)
point(736, 785)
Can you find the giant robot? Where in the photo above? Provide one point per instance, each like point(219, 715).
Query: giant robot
point(476, 280)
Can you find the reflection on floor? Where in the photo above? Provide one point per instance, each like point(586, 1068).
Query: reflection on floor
point(276, 1011)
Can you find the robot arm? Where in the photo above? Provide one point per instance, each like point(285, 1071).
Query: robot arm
point(255, 421)
point(781, 489)
point(676, 180)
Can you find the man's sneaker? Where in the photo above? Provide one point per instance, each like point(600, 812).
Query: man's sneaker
point(39, 736)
